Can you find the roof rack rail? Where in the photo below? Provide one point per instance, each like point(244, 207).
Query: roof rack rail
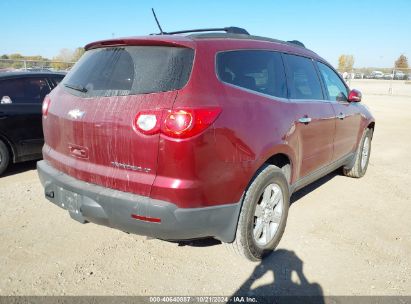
point(229, 30)
point(252, 37)
point(296, 42)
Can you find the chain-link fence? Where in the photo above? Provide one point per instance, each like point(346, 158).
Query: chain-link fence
point(10, 65)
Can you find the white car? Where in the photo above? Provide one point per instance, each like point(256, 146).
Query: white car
point(399, 75)
point(377, 75)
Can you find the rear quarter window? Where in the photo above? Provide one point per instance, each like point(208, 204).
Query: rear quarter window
point(117, 71)
point(260, 71)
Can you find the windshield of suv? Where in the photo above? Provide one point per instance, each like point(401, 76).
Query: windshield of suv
point(119, 71)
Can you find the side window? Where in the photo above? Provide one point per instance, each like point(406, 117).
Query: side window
point(24, 90)
point(303, 78)
point(260, 71)
point(337, 91)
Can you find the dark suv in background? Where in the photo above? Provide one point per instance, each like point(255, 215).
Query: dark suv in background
point(21, 97)
point(205, 135)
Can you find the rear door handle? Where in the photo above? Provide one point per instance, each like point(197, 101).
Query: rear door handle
point(341, 116)
point(305, 120)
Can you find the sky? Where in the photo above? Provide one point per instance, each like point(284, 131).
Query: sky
point(376, 32)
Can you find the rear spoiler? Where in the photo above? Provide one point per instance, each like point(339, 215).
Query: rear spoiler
point(174, 41)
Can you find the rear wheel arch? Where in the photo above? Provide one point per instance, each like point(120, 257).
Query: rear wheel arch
point(280, 155)
point(282, 161)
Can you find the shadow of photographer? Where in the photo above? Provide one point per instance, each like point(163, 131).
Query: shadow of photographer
point(290, 285)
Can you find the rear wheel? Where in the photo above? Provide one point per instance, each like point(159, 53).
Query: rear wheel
point(362, 157)
point(263, 215)
point(4, 157)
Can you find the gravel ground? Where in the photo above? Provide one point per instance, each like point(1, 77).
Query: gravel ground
point(344, 236)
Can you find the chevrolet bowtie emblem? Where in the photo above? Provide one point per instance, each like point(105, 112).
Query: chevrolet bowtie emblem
point(76, 114)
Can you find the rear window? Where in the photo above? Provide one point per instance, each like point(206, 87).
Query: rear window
point(119, 71)
point(260, 71)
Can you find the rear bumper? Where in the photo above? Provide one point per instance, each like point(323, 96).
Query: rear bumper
point(87, 202)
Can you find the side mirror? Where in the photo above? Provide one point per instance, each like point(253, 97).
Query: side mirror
point(354, 96)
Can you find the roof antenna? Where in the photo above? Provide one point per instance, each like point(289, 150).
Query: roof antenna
point(158, 23)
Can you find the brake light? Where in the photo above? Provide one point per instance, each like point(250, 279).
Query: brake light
point(178, 123)
point(188, 122)
point(46, 104)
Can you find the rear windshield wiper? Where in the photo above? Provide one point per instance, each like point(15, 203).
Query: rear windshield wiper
point(76, 87)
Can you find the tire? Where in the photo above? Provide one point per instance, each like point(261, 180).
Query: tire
point(362, 157)
point(262, 221)
point(4, 157)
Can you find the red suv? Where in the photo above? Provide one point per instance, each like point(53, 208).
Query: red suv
point(203, 135)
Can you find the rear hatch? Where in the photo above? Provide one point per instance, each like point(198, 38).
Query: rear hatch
point(88, 128)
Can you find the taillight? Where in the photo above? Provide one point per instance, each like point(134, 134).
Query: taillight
point(45, 107)
point(178, 123)
point(184, 123)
